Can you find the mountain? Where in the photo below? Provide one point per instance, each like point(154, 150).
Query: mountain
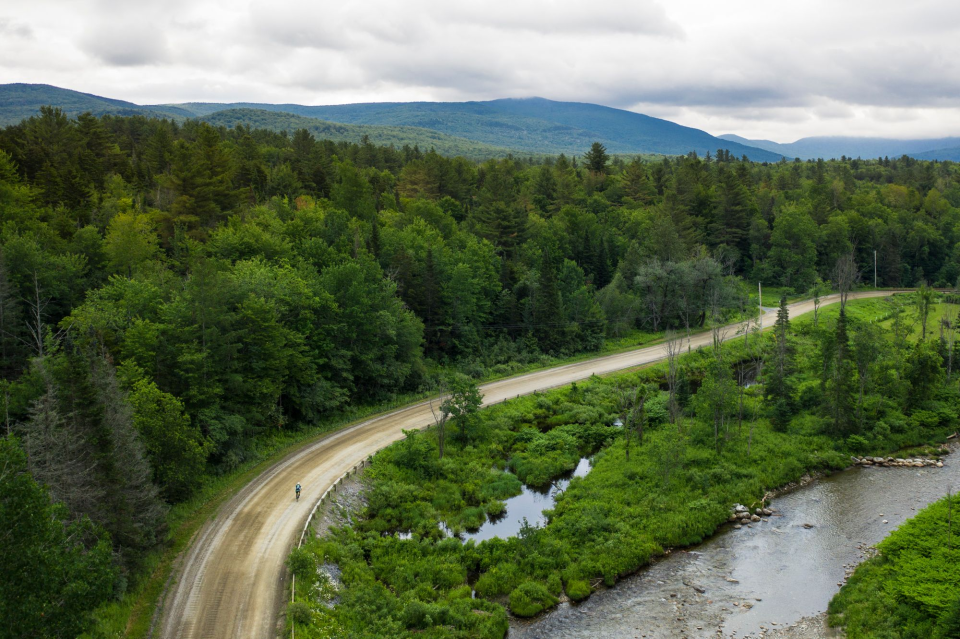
point(827, 147)
point(952, 154)
point(379, 135)
point(19, 101)
point(529, 125)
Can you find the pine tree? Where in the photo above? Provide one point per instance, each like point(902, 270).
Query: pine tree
point(778, 388)
point(596, 158)
point(547, 316)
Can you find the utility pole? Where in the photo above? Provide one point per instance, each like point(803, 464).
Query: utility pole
point(760, 302)
point(874, 268)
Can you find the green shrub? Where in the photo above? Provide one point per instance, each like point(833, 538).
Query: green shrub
point(460, 592)
point(472, 518)
point(495, 508)
point(531, 598)
point(303, 564)
point(858, 444)
point(578, 589)
point(504, 486)
point(299, 613)
point(499, 580)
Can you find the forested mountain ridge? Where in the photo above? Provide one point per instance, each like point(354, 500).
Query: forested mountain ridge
point(398, 136)
point(835, 147)
point(173, 294)
point(19, 101)
point(531, 125)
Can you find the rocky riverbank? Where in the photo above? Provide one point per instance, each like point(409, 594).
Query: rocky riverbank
point(898, 462)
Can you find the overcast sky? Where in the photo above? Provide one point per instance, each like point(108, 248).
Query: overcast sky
point(761, 68)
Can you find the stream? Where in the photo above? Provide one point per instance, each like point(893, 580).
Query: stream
point(764, 576)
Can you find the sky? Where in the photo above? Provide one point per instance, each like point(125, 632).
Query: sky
point(760, 69)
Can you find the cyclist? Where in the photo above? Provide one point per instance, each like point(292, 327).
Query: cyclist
point(298, 492)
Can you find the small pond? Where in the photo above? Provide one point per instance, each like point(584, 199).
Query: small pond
point(529, 505)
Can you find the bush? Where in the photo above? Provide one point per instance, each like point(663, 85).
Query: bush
point(578, 589)
point(495, 508)
point(299, 613)
point(858, 445)
point(531, 598)
point(472, 518)
point(303, 564)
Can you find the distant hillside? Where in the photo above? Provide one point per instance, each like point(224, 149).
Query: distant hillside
point(532, 125)
point(19, 101)
point(828, 147)
point(396, 135)
point(952, 154)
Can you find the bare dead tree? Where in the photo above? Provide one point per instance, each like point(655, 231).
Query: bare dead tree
point(626, 398)
point(631, 409)
point(816, 291)
point(717, 395)
point(846, 275)
point(6, 407)
point(638, 417)
point(441, 414)
point(59, 457)
point(758, 356)
point(948, 335)
point(37, 305)
point(674, 350)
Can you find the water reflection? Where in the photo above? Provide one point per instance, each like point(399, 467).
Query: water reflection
point(529, 504)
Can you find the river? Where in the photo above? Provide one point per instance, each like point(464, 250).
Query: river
point(763, 576)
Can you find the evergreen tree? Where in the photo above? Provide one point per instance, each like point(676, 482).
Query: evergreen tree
point(596, 158)
point(547, 315)
point(778, 388)
point(56, 568)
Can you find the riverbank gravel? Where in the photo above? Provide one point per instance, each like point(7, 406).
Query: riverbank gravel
point(806, 628)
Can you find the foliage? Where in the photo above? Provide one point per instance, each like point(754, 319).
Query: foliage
point(56, 569)
point(530, 598)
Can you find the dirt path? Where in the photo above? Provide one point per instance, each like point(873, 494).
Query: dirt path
point(232, 579)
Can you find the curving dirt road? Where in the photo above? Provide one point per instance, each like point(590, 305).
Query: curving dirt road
point(232, 579)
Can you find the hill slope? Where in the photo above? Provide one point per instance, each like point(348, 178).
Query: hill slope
point(19, 101)
point(828, 147)
point(386, 135)
point(531, 125)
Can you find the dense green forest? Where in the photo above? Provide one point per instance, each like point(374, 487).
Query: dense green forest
point(696, 437)
point(171, 294)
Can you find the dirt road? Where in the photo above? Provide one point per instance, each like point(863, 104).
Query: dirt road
point(232, 578)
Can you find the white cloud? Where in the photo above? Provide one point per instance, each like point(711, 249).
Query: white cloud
point(753, 67)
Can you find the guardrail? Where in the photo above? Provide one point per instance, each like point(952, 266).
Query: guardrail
point(306, 526)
